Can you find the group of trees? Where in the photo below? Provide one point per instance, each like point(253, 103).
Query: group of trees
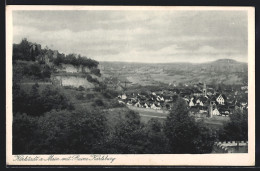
point(36, 103)
point(185, 134)
point(75, 60)
point(27, 51)
point(24, 51)
point(59, 132)
point(31, 70)
point(236, 129)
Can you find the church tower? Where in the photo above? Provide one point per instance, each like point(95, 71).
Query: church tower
point(210, 110)
point(204, 89)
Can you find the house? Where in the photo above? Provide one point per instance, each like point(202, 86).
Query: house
point(215, 112)
point(197, 93)
point(192, 102)
point(155, 106)
point(146, 105)
point(123, 96)
point(204, 101)
point(220, 98)
point(137, 104)
point(198, 101)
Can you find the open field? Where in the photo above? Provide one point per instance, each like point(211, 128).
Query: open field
point(214, 122)
point(221, 71)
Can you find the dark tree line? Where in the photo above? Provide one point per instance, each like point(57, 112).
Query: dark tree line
point(25, 51)
point(36, 103)
point(31, 70)
point(75, 60)
point(236, 129)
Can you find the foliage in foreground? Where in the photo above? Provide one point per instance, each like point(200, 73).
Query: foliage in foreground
point(61, 130)
point(185, 135)
point(237, 128)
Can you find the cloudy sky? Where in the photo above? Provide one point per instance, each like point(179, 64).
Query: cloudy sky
point(138, 36)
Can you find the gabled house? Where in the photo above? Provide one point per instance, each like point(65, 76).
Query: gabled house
point(215, 111)
point(137, 104)
point(220, 98)
point(146, 105)
point(192, 102)
point(155, 106)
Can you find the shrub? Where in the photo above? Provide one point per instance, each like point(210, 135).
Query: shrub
point(99, 102)
point(90, 96)
point(95, 71)
point(81, 88)
point(80, 96)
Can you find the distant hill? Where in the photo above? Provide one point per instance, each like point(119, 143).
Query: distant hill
point(225, 61)
point(225, 65)
point(226, 71)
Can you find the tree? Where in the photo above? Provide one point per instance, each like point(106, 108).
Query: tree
point(184, 134)
point(128, 136)
point(34, 106)
point(35, 103)
point(46, 72)
point(72, 132)
point(95, 71)
point(237, 128)
point(52, 98)
point(24, 134)
point(157, 143)
point(24, 49)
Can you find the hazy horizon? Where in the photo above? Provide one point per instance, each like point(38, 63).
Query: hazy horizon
point(138, 36)
point(174, 62)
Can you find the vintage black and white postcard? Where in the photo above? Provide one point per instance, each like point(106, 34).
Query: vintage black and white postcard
point(130, 85)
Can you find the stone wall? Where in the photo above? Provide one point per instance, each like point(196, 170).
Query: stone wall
point(73, 69)
point(74, 81)
point(230, 147)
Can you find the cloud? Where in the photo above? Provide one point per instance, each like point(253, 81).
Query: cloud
point(137, 35)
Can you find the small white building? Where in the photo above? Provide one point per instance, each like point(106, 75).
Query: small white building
point(191, 102)
point(215, 112)
point(123, 96)
point(155, 107)
point(137, 104)
point(146, 105)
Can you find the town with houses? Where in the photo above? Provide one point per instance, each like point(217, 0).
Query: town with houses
point(200, 99)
